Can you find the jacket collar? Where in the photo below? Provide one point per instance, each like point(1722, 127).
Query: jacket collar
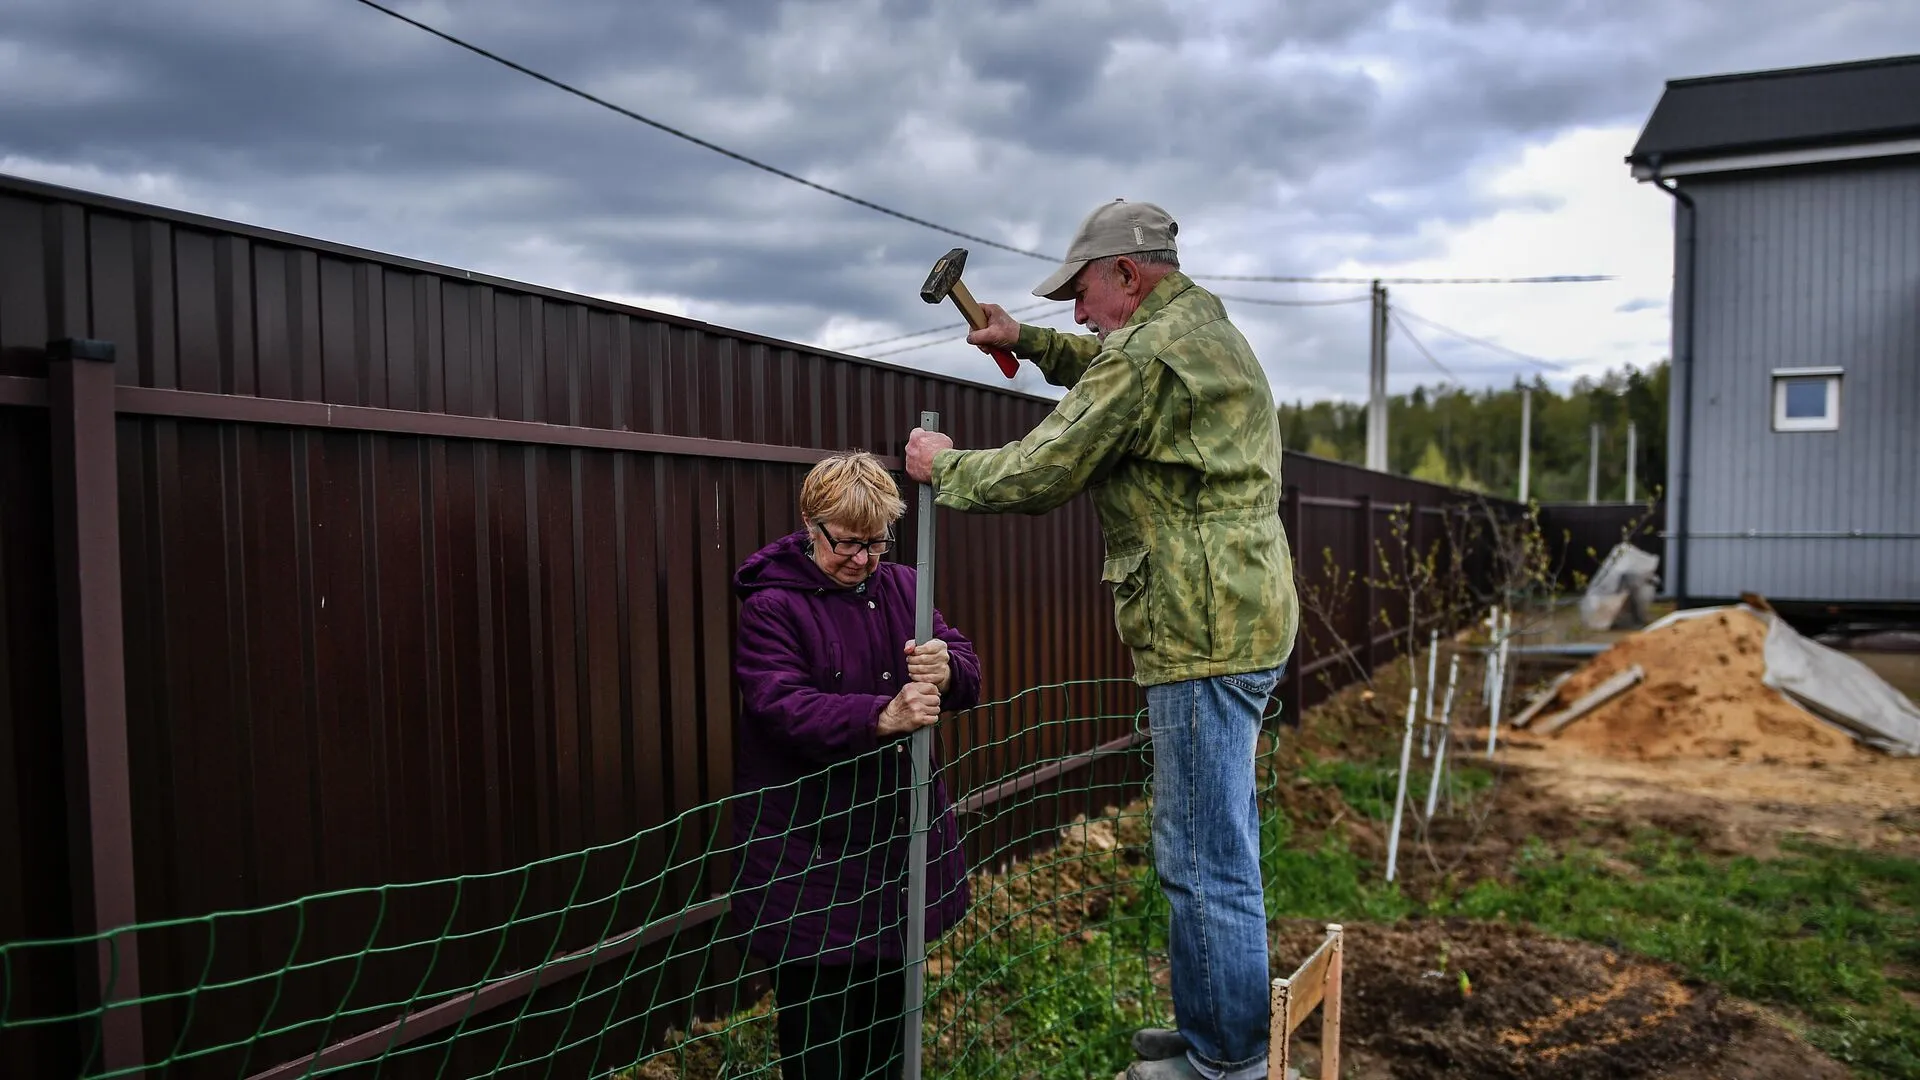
point(1159, 297)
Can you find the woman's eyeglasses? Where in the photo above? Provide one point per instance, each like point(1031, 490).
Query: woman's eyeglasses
point(850, 547)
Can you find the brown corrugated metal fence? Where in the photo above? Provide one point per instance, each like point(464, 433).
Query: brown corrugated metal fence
point(1579, 536)
point(423, 574)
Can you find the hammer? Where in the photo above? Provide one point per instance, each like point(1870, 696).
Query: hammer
point(944, 281)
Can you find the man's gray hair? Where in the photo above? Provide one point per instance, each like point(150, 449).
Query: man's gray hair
point(1164, 257)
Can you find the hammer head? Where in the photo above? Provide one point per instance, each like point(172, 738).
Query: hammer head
point(944, 273)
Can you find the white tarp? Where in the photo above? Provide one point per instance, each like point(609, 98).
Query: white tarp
point(1829, 684)
point(1626, 571)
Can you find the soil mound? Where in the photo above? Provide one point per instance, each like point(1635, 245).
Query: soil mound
point(1702, 698)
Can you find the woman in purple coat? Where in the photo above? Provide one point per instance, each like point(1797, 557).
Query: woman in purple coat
point(831, 686)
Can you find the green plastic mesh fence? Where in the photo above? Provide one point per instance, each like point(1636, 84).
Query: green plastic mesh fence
point(696, 948)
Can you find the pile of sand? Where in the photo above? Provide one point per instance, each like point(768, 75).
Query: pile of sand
point(1702, 698)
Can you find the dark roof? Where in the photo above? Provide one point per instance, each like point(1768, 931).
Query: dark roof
point(1789, 109)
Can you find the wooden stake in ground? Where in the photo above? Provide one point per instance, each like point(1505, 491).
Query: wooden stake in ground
point(1400, 797)
point(1316, 984)
point(1594, 698)
point(1446, 730)
point(1426, 729)
point(1486, 672)
point(1498, 657)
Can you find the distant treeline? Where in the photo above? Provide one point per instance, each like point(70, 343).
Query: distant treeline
point(1471, 439)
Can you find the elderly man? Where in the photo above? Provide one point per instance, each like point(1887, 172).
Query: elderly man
point(1170, 423)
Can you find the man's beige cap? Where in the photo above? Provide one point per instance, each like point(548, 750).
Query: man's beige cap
point(1116, 228)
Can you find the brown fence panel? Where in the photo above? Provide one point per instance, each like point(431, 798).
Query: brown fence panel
point(34, 899)
point(428, 574)
point(1579, 535)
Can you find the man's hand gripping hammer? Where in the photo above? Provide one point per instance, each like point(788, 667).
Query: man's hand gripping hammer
point(944, 281)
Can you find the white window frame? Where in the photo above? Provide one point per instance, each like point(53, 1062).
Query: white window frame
point(1828, 422)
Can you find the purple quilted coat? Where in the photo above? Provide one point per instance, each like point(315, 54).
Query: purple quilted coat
point(824, 810)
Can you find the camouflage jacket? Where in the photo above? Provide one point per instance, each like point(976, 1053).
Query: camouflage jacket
point(1171, 426)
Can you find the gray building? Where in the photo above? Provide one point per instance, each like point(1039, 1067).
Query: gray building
point(1794, 440)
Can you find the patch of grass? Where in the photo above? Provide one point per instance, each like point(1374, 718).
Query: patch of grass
point(1325, 882)
point(1816, 929)
point(1369, 787)
point(1058, 1009)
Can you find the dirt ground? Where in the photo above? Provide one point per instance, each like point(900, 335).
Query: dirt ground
point(1733, 806)
point(1532, 1006)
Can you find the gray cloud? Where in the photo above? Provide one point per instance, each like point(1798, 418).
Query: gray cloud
point(1288, 137)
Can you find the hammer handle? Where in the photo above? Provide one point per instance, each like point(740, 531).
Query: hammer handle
point(976, 318)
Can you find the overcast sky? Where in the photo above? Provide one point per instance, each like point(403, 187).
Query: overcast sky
point(1294, 137)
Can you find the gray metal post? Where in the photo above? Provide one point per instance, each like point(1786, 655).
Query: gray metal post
point(1593, 464)
point(1630, 462)
point(1377, 380)
point(922, 741)
point(1386, 446)
point(1526, 437)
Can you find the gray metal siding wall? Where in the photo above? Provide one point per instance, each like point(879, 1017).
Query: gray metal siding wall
point(1807, 268)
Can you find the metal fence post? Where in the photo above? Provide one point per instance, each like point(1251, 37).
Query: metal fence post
point(93, 692)
point(922, 739)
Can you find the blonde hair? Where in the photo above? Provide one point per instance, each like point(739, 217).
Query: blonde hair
point(852, 490)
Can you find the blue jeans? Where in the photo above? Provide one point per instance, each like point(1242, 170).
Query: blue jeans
point(1206, 845)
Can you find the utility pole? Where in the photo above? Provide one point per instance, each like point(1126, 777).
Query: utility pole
point(1630, 461)
point(1526, 437)
point(1593, 464)
point(1377, 381)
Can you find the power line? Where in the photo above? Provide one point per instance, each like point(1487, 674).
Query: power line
point(901, 215)
point(1030, 307)
point(1515, 353)
point(1417, 344)
point(1296, 303)
point(933, 329)
point(937, 341)
point(1553, 279)
point(697, 141)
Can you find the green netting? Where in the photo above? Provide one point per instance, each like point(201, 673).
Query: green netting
point(632, 959)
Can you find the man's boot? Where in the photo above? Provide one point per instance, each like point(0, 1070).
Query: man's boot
point(1173, 1068)
point(1159, 1044)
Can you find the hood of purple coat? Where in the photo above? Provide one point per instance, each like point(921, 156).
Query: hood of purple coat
point(783, 564)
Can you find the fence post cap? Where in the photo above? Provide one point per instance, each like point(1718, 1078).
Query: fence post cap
point(80, 349)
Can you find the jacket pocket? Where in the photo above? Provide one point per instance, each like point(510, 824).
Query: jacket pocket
point(1246, 581)
point(1130, 576)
